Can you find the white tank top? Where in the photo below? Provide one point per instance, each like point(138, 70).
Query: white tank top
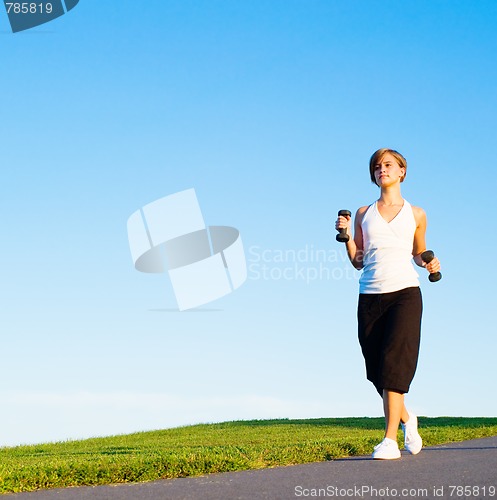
point(388, 248)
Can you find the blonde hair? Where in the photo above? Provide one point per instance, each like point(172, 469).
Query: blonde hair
point(378, 156)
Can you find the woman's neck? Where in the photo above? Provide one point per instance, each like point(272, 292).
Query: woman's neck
point(391, 196)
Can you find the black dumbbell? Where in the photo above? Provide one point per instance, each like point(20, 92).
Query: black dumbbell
point(427, 257)
point(342, 236)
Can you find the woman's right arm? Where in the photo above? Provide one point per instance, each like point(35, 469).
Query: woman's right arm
point(354, 246)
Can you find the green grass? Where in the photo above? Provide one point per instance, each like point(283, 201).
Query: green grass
point(202, 449)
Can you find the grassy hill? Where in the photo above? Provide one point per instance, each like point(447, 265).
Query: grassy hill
point(209, 448)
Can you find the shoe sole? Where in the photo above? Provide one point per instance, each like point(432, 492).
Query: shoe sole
point(414, 452)
point(386, 458)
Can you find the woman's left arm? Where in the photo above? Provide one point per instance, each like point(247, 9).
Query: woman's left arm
point(419, 244)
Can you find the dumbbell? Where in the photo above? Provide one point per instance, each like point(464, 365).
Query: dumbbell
point(427, 257)
point(342, 236)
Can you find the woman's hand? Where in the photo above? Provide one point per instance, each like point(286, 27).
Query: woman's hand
point(344, 223)
point(433, 266)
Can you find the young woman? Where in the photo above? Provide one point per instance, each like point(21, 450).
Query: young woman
point(387, 235)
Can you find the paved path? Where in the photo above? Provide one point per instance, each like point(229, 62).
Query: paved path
point(427, 475)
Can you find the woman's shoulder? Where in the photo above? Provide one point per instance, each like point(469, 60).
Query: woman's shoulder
point(419, 214)
point(363, 209)
point(361, 212)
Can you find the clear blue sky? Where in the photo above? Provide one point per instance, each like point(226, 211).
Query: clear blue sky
point(270, 110)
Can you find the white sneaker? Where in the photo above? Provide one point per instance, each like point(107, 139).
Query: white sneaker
point(388, 449)
point(412, 440)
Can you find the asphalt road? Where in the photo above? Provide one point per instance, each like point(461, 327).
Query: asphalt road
point(456, 470)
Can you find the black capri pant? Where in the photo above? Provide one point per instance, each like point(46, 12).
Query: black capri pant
point(389, 327)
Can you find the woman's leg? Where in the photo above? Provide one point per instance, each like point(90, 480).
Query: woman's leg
point(395, 412)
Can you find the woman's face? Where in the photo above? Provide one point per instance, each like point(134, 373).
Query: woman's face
point(387, 171)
